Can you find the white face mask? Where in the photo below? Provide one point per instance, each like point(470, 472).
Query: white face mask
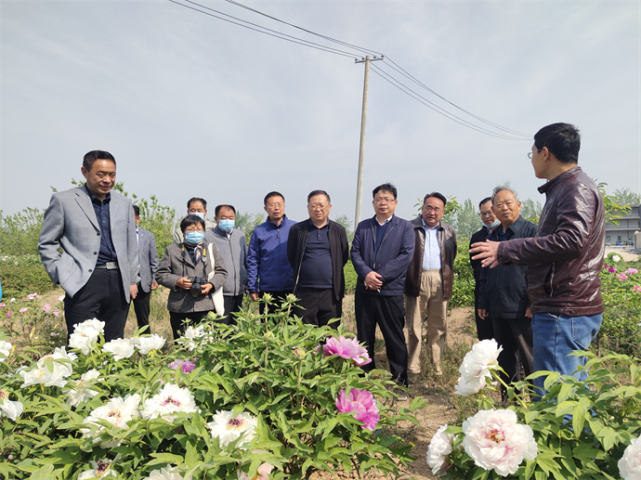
point(198, 214)
point(494, 225)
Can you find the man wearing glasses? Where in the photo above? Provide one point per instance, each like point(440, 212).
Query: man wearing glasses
point(317, 250)
point(381, 252)
point(484, 328)
point(429, 282)
point(564, 259)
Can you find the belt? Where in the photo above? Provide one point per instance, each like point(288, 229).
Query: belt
point(109, 266)
point(432, 270)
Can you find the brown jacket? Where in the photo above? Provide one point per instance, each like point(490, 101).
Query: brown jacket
point(447, 242)
point(566, 256)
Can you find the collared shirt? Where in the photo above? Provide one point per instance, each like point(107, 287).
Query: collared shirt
point(107, 251)
point(432, 252)
point(316, 267)
point(381, 230)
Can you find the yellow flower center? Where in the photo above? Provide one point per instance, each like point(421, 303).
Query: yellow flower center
point(496, 437)
point(235, 423)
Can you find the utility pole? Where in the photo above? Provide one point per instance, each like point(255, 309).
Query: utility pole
point(361, 150)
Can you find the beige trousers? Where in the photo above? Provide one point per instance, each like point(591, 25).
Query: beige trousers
point(428, 304)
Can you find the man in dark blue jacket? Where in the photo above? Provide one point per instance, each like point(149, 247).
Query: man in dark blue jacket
point(381, 252)
point(503, 291)
point(267, 253)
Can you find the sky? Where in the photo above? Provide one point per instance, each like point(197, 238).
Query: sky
point(192, 106)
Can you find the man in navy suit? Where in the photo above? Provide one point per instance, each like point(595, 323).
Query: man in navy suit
point(96, 231)
point(148, 259)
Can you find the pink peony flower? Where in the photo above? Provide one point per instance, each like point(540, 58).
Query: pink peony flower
point(622, 277)
point(637, 288)
point(2, 305)
point(612, 269)
point(495, 441)
point(631, 271)
point(32, 296)
point(346, 348)
point(23, 310)
point(47, 308)
point(186, 366)
point(362, 402)
point(56, 313)
point(605, 265)
point(8, 314)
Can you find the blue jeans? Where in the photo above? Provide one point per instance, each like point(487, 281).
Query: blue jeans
point(556, 336)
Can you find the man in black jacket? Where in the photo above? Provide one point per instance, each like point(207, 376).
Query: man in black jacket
point(503, 291)
point(317, 250)
point(490, 222)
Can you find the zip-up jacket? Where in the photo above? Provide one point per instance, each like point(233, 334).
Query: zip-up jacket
point(267, 258)
point(503, 290)
point(390, 260)
point(565, 258)
point(338, 250)
point(448, 247)
point(233, 249)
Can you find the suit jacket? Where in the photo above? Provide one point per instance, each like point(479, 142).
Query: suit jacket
point(148, 258)
point(70, 224)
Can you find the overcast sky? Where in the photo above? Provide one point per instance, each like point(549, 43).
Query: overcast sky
point(193, 106)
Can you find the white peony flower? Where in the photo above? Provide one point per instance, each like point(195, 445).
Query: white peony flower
point(228, 428)
point(85, 334)
point(495, 441)
point(147, 344)
point(61, 298)
point(440, 447)
point(630, 463)
point(170, 399)
point(49, 378)
point(477, 365)
point(9, 408)
point(82, 393)
point(5, 350)
point(167, 473)
point(99, 469)
point(117, 411)
point(192, 334)
point(119, 348)
point(616, 258)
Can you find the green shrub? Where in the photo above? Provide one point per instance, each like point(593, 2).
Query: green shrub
point(21, 275)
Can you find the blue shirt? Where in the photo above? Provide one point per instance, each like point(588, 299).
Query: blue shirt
point(316, 267)
point(107, 251)
point(432, 252)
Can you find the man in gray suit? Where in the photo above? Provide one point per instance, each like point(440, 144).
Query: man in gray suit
point(148, 258)
point(95, 229)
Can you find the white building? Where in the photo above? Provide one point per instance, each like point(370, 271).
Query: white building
point(623, 233)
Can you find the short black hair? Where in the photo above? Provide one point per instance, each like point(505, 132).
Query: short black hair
point(313, 193)
point(563, 140)
point(137, 210)
point(274, 194)
point(386, 187)
point(440, 196)
point(94, 155)
point(484, 201)
point(191, 220)
point(218, 207)
point(196, 199)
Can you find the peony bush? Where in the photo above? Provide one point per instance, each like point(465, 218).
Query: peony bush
point(579, 430)
point(263, 399)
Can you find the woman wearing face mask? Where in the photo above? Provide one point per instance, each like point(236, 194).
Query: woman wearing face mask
point(186, 269)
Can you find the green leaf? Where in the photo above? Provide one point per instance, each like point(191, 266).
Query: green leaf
point(564, 394)
point(160, 458)
point(529, 468)
point(578, 419)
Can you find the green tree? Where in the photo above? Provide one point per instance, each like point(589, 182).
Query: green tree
point(626, 197)
point(613, 209)
point(467, 220)
point(347, 224)
point(531, 210)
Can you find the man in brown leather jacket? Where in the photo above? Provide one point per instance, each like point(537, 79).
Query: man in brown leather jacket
point(565, 257)
point(428, 285)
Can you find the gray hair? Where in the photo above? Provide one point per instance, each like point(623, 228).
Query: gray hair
point(503, 187)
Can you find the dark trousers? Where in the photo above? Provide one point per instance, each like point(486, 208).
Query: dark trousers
point(279, 297)
point(389, 314)
point(484, 328)
point(233, 304)
point(178, 324)
point(103, 298)
point(141, 307)
point(515, 336)
point(317, 306)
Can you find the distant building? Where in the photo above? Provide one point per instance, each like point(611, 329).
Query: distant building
point(624, 231)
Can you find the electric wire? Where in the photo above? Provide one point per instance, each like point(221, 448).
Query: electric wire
point(416, 96)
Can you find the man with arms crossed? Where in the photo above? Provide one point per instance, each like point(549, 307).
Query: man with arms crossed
point(381, 252)
point(317, 250)
point(565, 257)
point(95, 228)
point(233, 248)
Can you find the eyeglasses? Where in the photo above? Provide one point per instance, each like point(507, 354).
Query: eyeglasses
point(486, 214)
point(383, 199)
point(275, 205)
point(318, 206)
point(433, 209)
